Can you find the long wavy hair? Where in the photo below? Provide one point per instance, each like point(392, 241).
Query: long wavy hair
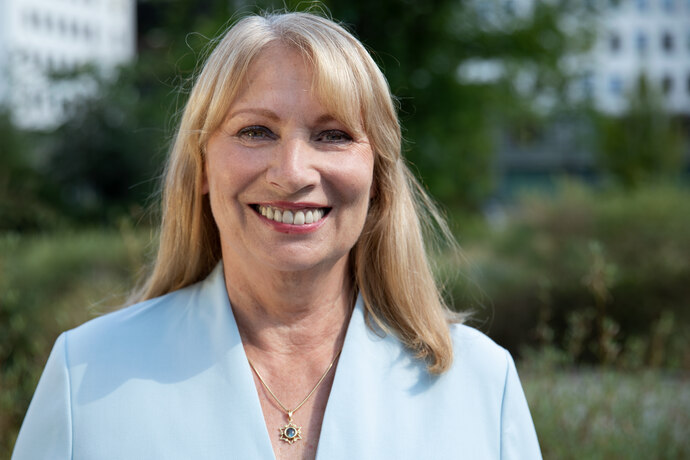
point(389, 263)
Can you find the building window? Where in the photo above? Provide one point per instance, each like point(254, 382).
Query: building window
point(588, 85)
point(641, 42)
point(667, 84)
point(614, 42)
point(669, 5)
point(35, 21)
point(616, 85)
point(19, 57)
point(667, 42)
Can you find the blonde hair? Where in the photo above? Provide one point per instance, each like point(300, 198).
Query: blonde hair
point(389, 262)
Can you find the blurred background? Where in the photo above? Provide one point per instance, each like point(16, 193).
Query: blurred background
point(554, 134)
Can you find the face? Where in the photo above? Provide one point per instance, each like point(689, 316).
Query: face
point(289, 185)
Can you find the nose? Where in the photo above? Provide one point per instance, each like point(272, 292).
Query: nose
point(292, 167)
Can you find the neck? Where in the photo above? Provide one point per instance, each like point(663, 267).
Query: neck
point(281, 314)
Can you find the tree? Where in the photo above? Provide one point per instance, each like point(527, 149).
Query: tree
point(643, 143)
point(104, 159)
point(24, 202)
point(449, 124)
point(105, 156)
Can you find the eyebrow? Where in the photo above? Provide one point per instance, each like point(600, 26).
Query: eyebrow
point(325, 118)
point(256, 111)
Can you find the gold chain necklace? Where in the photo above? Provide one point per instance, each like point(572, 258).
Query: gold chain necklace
point(291, 432)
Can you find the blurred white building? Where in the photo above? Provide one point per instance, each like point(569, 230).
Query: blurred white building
point(38, 37)
point(650, 37)
point(634, 38)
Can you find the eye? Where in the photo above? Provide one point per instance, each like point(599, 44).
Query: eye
point(258, 133)
point(333, 136)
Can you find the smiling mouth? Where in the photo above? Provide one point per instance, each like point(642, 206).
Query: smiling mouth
point(293, 217)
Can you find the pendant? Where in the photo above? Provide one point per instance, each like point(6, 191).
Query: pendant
point(290, 432)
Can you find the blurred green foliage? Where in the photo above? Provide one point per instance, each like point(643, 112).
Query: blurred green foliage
point(50, 283)
point(103, 161)
point(105, 158)
point(569, 277)
point(601, 415)
point(644, 143)
point(600, 275)
point(25, 193)
point(581, 277)
point(452, 122)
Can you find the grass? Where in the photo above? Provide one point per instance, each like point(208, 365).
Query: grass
point(603, 414)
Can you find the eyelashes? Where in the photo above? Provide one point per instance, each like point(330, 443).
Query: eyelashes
point(256, 133)
point(259, 133)
point(334, 136)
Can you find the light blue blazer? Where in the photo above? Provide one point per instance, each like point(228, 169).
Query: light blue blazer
point(168, 379)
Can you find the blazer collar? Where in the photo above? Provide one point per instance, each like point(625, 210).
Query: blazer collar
point(368, 361)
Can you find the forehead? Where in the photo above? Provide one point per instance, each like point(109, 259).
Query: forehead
point(286, 69)
point(277, 67)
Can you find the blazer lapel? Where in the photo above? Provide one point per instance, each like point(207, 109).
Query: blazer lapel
point(245, 426)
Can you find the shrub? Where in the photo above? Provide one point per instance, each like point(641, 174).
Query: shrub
point(600, 274)
point(24, 191)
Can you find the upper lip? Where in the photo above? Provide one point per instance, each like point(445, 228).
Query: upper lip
point(291, 205)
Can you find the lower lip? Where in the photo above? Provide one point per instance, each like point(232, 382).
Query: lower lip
point(290, 228)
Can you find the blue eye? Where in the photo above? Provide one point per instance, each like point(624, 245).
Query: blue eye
point(333, 136)
point(255, 133)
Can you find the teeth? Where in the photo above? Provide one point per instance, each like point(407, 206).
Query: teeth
point(299, 218)
point(289, 217)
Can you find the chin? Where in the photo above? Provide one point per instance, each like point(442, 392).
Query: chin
point(288, 261)
point(298, 265)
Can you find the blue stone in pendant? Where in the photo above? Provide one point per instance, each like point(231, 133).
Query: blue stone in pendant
point(290, 433)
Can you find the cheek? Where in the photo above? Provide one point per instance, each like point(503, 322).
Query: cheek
point(230, 173)
point(354, 183)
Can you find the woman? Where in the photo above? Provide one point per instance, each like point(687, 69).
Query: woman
point(291, 306)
